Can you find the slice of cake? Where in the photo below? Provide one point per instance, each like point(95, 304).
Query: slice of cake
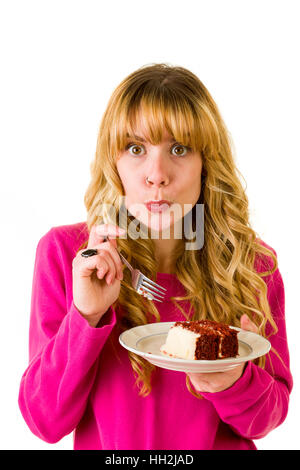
point(204, 339)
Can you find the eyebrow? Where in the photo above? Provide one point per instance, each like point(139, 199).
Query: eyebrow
point(136, 137)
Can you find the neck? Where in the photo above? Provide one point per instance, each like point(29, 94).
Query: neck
point(165, 254)
point(166, 245)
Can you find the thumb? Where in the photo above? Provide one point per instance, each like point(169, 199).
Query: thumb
point(247, 324)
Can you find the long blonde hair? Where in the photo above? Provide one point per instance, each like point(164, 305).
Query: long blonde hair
point(221, 280)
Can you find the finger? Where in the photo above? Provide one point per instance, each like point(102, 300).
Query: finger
point(203, 377)
point(106, 267)
point(111, 247)
point(247, 324)
point(102, 263)
point(86, 266)
point(99, 232)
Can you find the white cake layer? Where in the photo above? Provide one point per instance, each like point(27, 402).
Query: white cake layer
point(180, 343)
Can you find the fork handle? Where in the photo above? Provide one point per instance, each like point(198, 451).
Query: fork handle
point(125, 262)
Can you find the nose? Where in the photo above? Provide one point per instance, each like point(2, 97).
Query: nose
point(156, 181)
point(158, 174)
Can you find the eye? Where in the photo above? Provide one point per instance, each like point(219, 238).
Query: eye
point(134, 149)
point(183, 150)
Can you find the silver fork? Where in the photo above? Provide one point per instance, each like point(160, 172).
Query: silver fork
point(142, 284)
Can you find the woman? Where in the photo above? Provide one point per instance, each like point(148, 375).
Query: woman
point(161, 138)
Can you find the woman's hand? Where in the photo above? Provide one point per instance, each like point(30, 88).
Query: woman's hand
point(219, 381)
point(97, 279)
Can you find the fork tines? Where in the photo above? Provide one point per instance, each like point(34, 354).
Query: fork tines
point(153, 290)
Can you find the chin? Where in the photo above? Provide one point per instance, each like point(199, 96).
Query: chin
point(161, 226)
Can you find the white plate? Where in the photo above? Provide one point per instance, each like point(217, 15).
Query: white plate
point(146, 341)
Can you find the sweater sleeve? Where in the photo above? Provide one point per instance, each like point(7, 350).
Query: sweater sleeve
point(258, 401)
point(63, 350)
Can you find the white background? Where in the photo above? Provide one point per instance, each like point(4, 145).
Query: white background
point(60, 62)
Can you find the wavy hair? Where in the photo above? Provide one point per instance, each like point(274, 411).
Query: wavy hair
point(221, 280)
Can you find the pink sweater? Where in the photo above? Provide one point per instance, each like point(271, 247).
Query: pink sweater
point(80, 378)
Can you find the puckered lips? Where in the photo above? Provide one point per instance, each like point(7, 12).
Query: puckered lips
point(158, 206)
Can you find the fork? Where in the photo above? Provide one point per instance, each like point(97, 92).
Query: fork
point(142, 284)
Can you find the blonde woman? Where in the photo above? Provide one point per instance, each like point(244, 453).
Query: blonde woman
point(161, 139)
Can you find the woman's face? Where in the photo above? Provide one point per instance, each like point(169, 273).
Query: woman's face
point(168, 171)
